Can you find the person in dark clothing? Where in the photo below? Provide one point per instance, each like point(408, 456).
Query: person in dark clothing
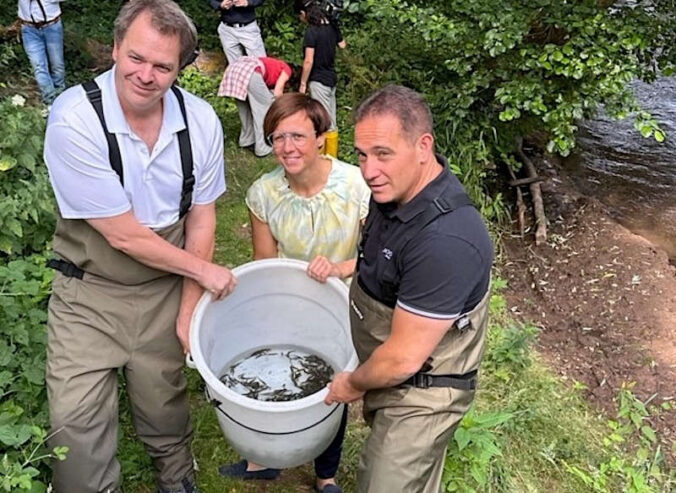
point(319, 77)
point(419, 303)
point(238, 31)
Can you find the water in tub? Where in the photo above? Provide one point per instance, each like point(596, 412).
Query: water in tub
point(279, 373)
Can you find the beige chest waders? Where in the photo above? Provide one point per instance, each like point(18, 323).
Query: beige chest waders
point(108, 312)
point(412, 424)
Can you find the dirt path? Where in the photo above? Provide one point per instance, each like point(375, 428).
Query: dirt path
point(605, 300)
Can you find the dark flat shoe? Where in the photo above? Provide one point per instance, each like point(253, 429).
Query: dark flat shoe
point(329, 488)
point(238, 471)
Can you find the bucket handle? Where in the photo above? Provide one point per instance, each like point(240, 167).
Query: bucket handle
point(217, 404)
point(189, 362)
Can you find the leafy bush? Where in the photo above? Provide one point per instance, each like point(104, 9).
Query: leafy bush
point(206, 87)
point(26, 201)
point(24, 289)
point(492, 74)
point(473, 449)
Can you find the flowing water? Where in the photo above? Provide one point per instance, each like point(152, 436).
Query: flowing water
point(633, 176)
point(279, 373)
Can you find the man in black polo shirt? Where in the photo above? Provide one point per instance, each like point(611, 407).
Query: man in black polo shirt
point(238, 30)
point(419, 305)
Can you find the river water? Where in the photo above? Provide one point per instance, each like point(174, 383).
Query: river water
point(633, 176)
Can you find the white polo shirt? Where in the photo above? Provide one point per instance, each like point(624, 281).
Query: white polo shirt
point(39, 10)
point(85, 185)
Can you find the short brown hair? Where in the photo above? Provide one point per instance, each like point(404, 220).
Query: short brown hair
point(166, 16)
point(291, 103)
point(405, 104)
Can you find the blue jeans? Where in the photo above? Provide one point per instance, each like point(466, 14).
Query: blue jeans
point(44, 47)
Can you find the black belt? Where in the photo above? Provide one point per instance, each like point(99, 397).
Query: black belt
point(66, 268)
point(461, 382)
point(39, 25)
point(238, 24)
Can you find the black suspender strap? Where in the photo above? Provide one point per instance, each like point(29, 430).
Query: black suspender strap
point(443, 204)
point(186, 158)
point(440, 205)
point(42, 9)
point(94, 95)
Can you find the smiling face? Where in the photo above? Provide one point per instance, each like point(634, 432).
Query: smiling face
point(147, 64)
point(391, 163)
point(298, 150)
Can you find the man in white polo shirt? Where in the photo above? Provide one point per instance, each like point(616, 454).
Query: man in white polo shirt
point(136, 166)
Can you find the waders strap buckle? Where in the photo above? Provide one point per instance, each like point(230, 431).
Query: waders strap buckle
point(467, 381)
point(66, 268)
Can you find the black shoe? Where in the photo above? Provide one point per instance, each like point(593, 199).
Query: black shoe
point(187, 486)
point(238, 471)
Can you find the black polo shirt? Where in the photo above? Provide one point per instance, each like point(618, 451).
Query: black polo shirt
point(444, 270)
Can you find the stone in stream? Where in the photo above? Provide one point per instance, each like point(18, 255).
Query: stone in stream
point(282, 373)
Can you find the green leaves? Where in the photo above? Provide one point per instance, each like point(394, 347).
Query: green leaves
point(648, 126)
point(24, 289)
point(13, 435)
point(639, 473)
point(26, 203)
point(475, 444)
point(510, 71)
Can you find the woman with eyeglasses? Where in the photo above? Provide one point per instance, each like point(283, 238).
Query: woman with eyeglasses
point(310, 208)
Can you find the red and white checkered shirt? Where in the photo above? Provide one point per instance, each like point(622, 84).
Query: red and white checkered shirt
point(237, 76)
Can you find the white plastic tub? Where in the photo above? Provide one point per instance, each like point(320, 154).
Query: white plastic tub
point(274, 303)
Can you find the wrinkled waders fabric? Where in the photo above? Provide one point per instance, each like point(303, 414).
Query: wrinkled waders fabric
point(122, 314)
point(411, 427)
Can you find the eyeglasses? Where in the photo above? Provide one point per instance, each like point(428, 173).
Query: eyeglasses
point(278, 139)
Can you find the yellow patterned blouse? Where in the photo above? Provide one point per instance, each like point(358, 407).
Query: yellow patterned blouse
point(325, 224)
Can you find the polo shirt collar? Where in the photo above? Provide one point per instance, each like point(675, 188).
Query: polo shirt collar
point(172, 119)
point(420, 202)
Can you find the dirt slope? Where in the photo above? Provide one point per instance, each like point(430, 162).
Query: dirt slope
point(605, 300)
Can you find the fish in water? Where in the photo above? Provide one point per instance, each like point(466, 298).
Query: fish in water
point(277, 374)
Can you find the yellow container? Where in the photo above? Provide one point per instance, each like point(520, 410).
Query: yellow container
point(331, 143)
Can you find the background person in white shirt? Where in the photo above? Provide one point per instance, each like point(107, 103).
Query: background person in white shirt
point(42, 37)
point(238, 31)
point(134, 245)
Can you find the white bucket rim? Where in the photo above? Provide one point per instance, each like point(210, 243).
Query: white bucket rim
point(218, 386)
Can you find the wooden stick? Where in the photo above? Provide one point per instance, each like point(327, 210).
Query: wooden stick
point(514, 182)
point(520, 206)
point(536, 193)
